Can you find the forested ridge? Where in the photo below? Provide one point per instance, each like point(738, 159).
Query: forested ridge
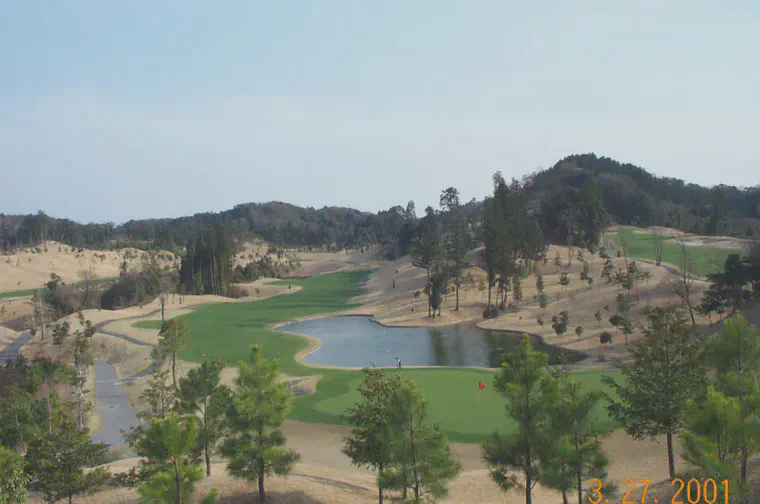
point(632, 195)
point(629, 194)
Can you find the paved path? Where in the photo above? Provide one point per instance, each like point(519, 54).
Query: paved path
point(113, 406)
point(10, 352)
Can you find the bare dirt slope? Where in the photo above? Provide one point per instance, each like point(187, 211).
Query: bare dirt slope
point(400, 306)
point(324, 475)
point(31, 267)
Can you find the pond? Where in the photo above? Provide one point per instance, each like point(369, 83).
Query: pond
point(359, 342)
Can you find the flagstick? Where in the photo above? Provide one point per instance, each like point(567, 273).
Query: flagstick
point(477, 408)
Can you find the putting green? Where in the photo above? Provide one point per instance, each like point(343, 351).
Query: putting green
point(465, 413)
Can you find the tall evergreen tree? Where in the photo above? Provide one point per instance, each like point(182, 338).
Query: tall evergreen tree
point(370, 442)
point(56, 460)
point(576, 453)
point(171, 340)
point(168, 444)
point(426, 252)
point(255, 445)
point(457, 239)
point(202, 394)
point(667, 371)
point(420, 454)
point(734, 353)
point(714, 438)
point(515, 459)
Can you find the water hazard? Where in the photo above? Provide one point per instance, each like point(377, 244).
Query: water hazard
point(360, 342)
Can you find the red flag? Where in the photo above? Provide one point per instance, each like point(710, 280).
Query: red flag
point(481, 386)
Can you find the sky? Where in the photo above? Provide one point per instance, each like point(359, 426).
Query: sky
point(118, 110)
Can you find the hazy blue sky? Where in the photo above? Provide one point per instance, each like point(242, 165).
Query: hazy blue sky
point(111, 110)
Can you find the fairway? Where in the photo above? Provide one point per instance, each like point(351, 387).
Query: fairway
point(226, 330)
point(465, 413)
point(704, 259)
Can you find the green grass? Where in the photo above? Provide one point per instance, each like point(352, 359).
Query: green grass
point(30, 292)
point(452, 395)
point(704, 259)
point(148, 324)
point(19, 293)
point(226, 330)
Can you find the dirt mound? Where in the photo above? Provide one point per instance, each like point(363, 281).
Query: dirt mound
point(30, 268)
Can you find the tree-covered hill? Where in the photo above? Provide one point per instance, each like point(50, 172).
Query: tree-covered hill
point(630, 195)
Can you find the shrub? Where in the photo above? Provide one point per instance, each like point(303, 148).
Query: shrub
point(237, 292)
point(493, 312)
point(579, 330)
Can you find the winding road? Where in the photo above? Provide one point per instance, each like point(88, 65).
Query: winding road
point(112, 404)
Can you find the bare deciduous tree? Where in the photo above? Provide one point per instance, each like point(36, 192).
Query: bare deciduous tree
point(681, 285)
point(657, 241)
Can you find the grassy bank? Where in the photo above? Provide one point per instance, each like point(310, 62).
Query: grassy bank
point(704, 259)
point(19, 293)
point(30, 292)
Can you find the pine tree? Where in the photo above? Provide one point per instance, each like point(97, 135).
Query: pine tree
point(607, 271)
point(516, 290)
point(201, 394)
point(713, 439)
point(539, 282)
point(168, 444)
point(666, 373)
point(734, 353)
point(13, 480)
point(543, 301)
point(82, 362)
point(457, 239)
point(584, 276)
point(370, 441)
point(514, 459)
point(56, 460)
point(576, 453)
point(425, 253)
point(260, 403)
point(171, 339)
point(420, 454)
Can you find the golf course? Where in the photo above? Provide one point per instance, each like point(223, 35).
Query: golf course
point(226, 330)
point(704, 259)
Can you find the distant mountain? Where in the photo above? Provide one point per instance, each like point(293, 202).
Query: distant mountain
point(633, 196)
point(630, 194)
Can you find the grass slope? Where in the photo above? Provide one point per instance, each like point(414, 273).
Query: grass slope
point(704, 259)
point(18, 293)
point(226, 330)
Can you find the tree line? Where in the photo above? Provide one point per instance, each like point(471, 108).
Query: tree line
point(629, 194)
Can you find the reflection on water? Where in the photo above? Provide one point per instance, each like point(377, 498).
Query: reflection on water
point(357, 342)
